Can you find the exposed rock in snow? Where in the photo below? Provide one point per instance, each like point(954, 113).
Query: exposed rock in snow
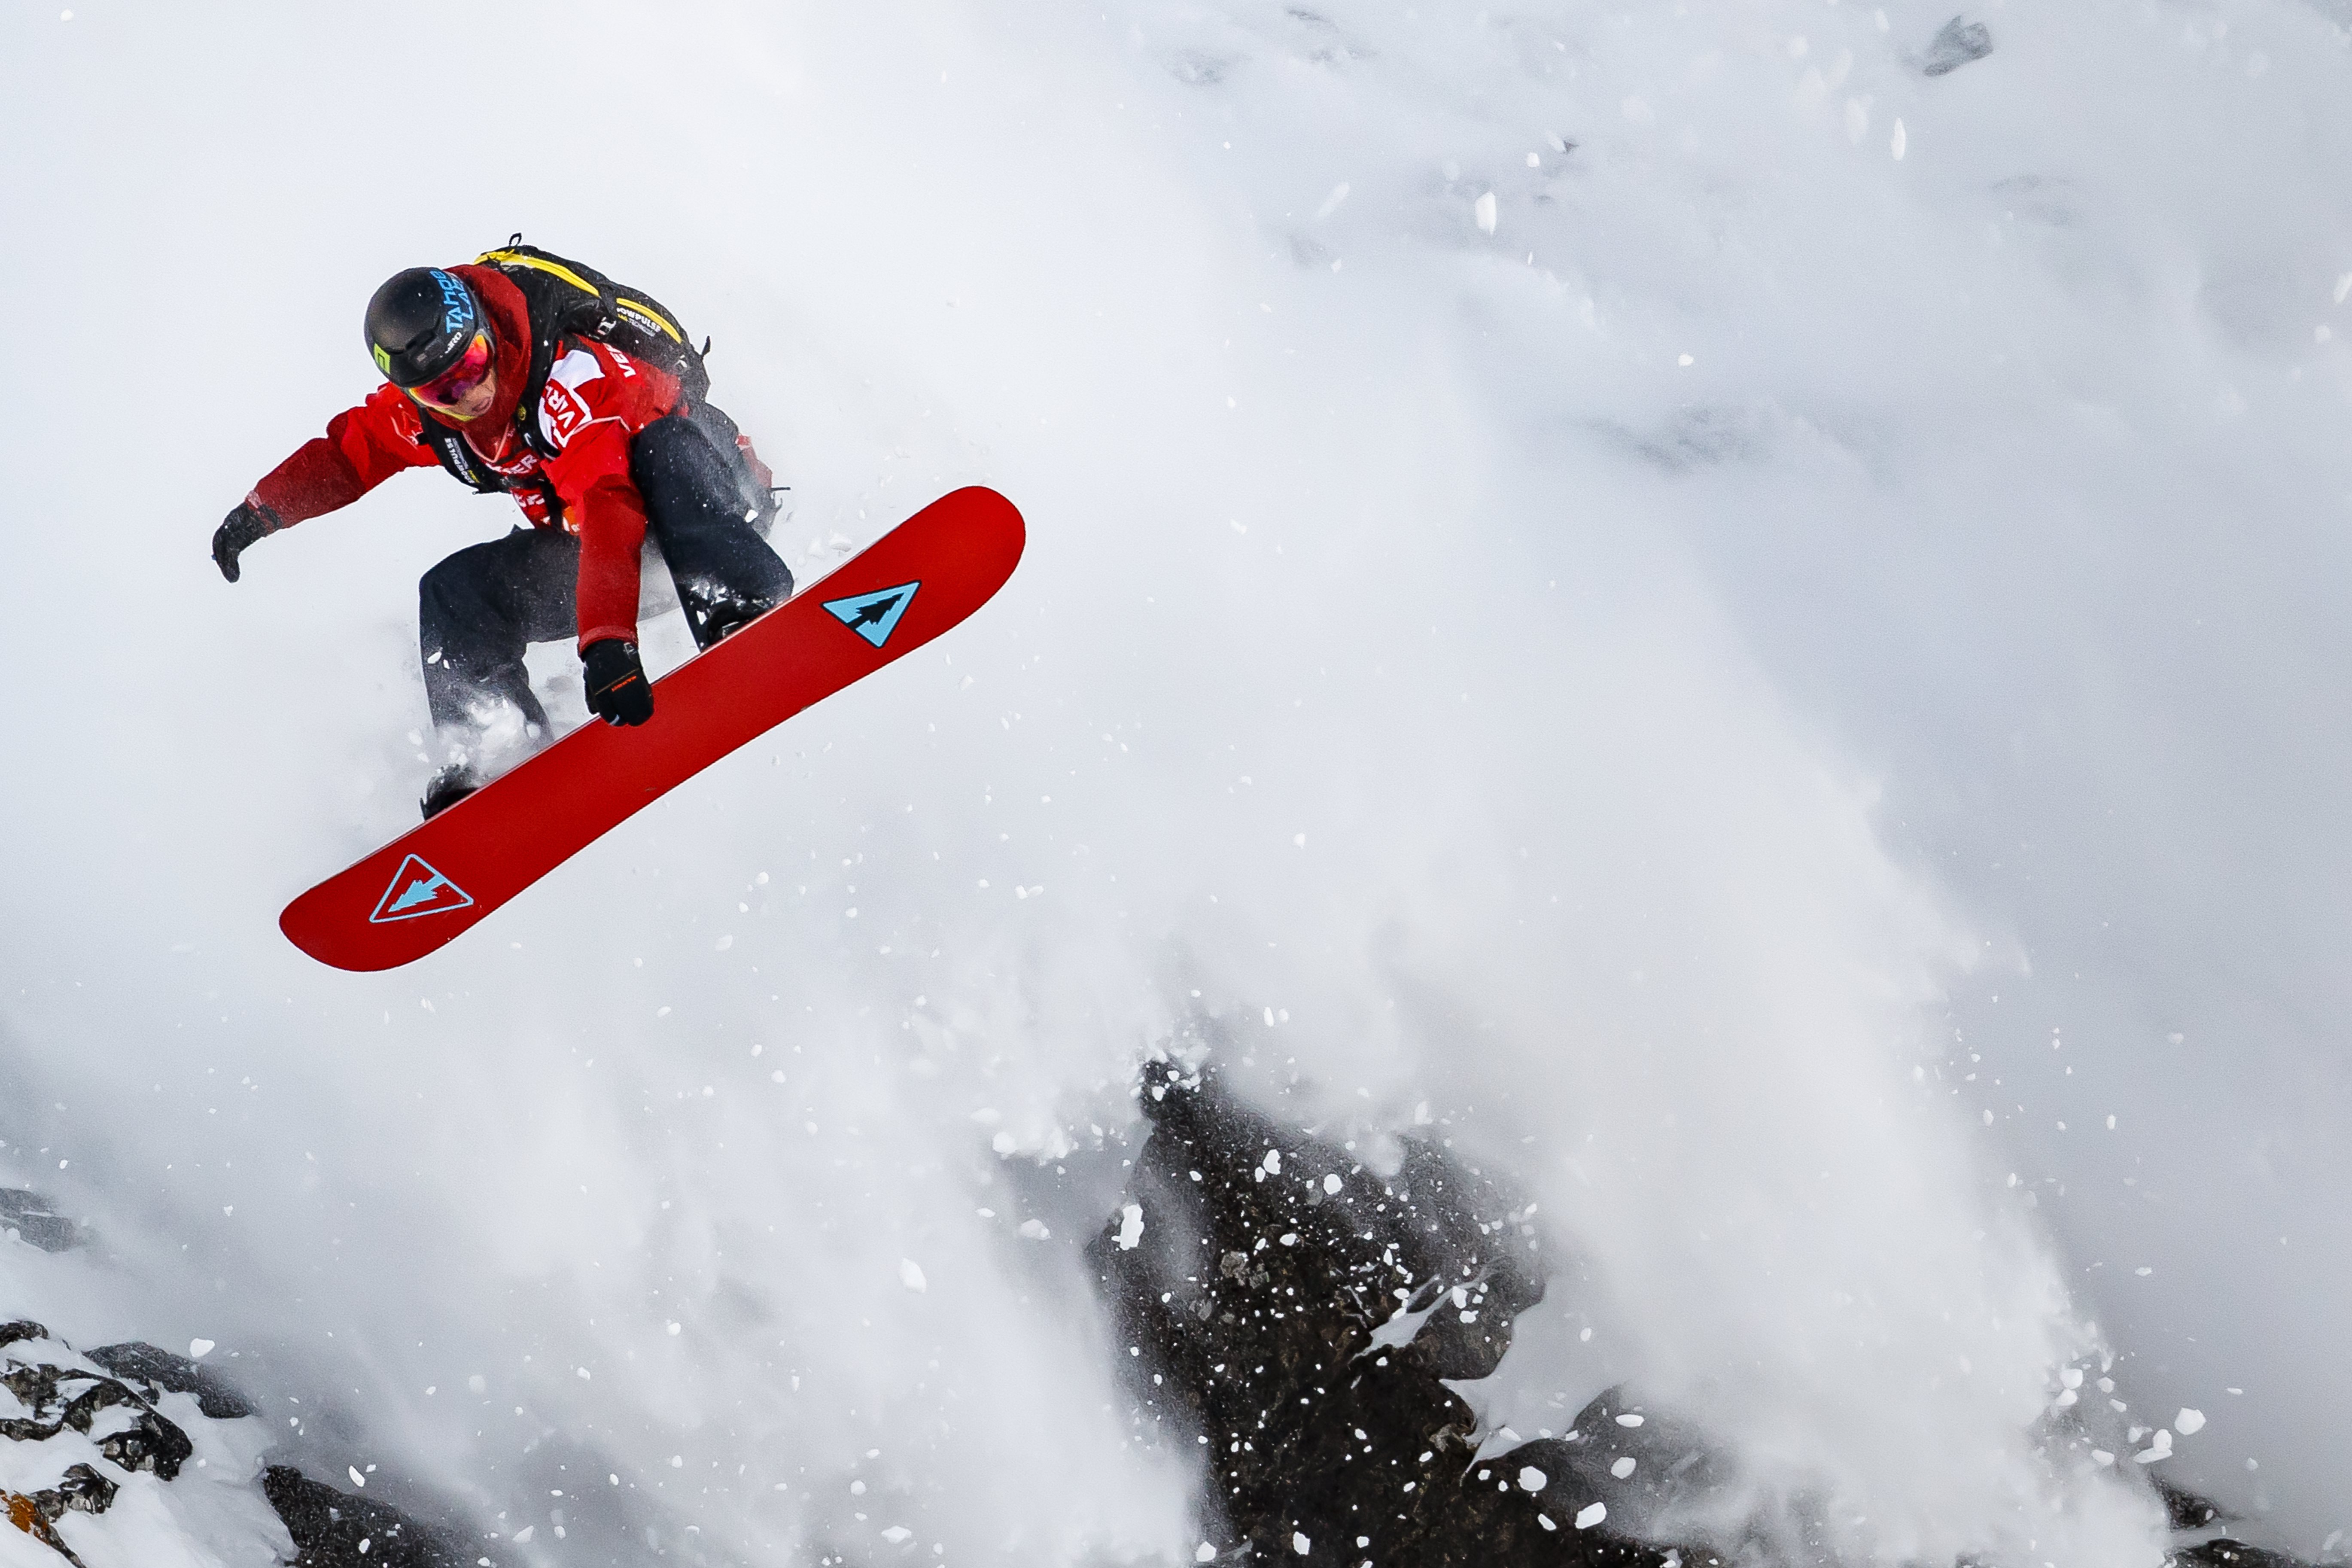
point(2198, 1542)
point(1960, 42)
point(2187, 1510)
point(130, 1457)
point(2227, 1554)
point(1300, 1339)
point(158, 1372)
point(105, 1471)
point(34, 1219)
point(60, 1396)
point(334, 1529)
point(1315, 1371)
point(80, 1489)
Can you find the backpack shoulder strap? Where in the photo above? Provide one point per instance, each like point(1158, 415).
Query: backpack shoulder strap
point(450, 447)
point(557, 298)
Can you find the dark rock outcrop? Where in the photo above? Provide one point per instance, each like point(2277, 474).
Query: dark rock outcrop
point(36, 1222)
point(58, 1398)
point(64, 1391)
point(2184, 1510)
point(154, 1371)
point(1641, 1461)
point(81, 1490)
point(335, 1530)
point(1295, 1315)
point(2225, 1553)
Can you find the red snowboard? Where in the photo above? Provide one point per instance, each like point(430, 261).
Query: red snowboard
point(432, 884)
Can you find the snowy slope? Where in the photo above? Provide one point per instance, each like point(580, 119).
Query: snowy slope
point(1696, 657)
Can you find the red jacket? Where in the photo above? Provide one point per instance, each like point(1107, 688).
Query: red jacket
point(595, 401)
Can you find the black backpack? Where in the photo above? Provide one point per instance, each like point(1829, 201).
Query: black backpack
point(566, 299)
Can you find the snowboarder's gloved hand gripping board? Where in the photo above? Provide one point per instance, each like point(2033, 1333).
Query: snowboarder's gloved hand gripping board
point(433, 884)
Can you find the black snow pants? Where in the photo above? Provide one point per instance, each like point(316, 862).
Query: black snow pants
point(480, 609)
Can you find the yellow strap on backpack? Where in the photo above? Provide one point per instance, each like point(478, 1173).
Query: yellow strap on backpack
point(516, 259)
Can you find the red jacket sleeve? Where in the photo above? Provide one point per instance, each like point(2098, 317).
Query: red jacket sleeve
point(592, 405)
point(362, 447)
point(591, 476)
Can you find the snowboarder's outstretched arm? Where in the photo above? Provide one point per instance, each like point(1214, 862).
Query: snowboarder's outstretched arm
point(362, 447)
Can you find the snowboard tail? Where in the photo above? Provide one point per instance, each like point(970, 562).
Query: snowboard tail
point(439, 881)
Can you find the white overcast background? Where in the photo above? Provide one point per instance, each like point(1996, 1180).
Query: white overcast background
point(1760, 633)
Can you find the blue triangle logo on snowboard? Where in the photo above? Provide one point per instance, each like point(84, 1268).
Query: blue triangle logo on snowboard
point(874, 615)
point(418, 890)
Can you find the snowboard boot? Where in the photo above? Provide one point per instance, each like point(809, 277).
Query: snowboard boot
point(725, 620)
point(714, 614)
point(453, 784)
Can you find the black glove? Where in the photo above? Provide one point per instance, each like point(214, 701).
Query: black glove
point(251, 520)
point(618, 691)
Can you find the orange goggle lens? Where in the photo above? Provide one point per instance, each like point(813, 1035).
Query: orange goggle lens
point(457, 384)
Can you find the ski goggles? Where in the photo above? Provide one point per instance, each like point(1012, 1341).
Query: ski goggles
point(460, 381)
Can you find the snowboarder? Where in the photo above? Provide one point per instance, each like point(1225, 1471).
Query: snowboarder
point(539, 377)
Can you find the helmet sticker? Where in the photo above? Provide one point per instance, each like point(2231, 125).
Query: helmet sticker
point(457, 306)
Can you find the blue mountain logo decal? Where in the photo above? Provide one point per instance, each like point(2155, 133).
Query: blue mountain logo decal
point(418, 890)
point(876, 615)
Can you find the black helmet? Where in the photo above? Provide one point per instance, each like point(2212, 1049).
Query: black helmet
point(420, 322)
